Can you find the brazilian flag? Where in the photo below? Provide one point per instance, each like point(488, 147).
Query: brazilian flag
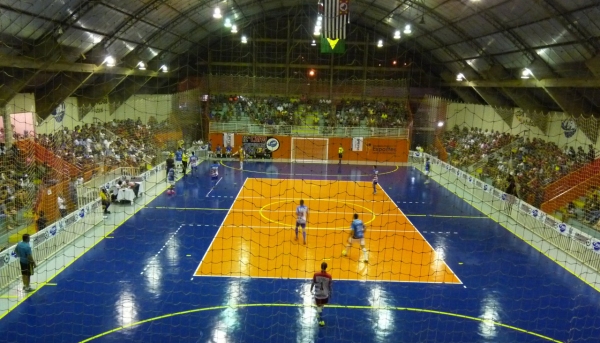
point(332, 46)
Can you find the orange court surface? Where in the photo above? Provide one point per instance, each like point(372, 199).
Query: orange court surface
point(257, 237)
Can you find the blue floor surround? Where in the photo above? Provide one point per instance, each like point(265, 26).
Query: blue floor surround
point(145, 272)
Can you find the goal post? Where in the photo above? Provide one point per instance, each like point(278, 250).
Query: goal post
point(309, 150)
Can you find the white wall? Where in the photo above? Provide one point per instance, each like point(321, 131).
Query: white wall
point(486, 117)
point(145, 106)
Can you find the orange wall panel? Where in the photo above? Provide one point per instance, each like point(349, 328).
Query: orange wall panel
point(374, 149)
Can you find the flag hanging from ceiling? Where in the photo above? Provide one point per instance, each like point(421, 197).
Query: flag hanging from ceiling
point(335, 17)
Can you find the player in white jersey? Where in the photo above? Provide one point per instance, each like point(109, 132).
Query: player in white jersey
point(321, 283)
point(301, 218)
point(214, 173)
point(375, 179)
point(194, 162)
point(357, 234)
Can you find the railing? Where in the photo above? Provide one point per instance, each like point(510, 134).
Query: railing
point(543, 231)
point(308, 131)
point(51, 240)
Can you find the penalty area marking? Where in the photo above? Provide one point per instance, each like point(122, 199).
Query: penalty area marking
point(367, 308)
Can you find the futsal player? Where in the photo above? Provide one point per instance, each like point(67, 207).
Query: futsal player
point(240, 154)
point(23, 251)
point(301, 218)
point(321, 283)
point(193, 163)
point(340, 153)
point(214, 173)
point(357, 233)
point(427, 170)
point(375, 179)
point(171, 179)
point(178, 158)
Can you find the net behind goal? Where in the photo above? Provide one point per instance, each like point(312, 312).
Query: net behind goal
point(309, 149)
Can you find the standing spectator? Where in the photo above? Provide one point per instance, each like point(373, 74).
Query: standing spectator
point(41, 222)
point(105, 200)
point(62, 207)
point(23, 251)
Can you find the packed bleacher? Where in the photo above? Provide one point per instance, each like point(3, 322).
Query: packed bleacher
point(124, 143)
point(534, 163)
point(303, 111)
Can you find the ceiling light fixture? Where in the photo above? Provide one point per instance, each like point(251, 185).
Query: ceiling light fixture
point(380, 43)
point(313, 43)
point(234, 28)
point(460, 77)
point(164, 68)
point(526, 73)
point(227, 22)
point(422, 22)
point(217, 13)
point(109, 61)
point(141, 66)
point(407, 29)
point(244, 40)
point(397, 34)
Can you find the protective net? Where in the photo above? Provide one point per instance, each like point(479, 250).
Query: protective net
point(161, 182)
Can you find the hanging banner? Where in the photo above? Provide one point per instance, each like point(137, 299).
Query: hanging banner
point(228, 139)
point(357, 144)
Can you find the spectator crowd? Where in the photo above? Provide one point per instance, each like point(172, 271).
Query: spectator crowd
point(303, 111)
point(533, 163)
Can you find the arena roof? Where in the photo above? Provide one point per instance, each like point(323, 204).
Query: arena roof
point(489, 42)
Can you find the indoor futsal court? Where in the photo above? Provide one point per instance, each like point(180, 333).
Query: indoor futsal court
point(222, 265)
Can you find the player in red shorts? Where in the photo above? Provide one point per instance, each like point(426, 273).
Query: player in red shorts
point(321, 283)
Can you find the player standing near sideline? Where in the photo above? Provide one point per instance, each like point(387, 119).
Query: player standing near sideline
point(214, 173)
point(375, 179)
point(340, 153)
point(357, 234)
point(193, 163)
point(321, 283)
point(171, 178)
point(301, 219)
point(240, 154)
point(178, 157)
point(427, 169)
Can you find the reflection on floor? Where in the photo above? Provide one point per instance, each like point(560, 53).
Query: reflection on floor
point(476, 282)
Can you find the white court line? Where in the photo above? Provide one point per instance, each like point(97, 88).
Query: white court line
point(311, 276)
point(221, 226)
point(213, 187)
point(312, 199)
point(417, 230)
point(309, 228)
point(349, 213)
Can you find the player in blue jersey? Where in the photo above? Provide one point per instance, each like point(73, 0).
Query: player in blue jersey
point(171, 180)
point(357, 234)
point(178, 159)
point(375, 179)
point(427, 169)
point(301, 219)
point(228, 151)
point(194, 163)
point(214, 173)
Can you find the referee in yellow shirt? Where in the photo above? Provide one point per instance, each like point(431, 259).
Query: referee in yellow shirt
point(340, 153)
point(185, 159)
